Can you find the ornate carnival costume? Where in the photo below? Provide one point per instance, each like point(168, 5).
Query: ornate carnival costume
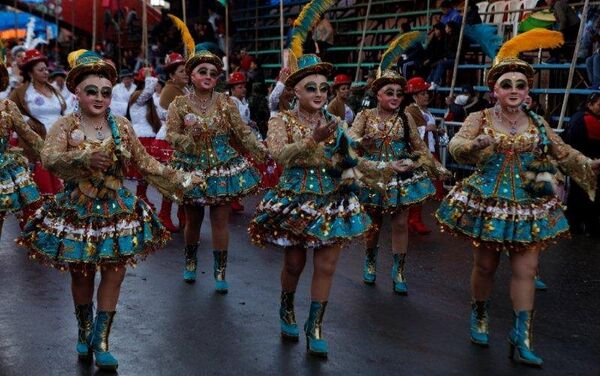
point(96, 222)
point(508, 203)
point(394, 138)
point(206, 137)
point(17, 188)
point(314, 204)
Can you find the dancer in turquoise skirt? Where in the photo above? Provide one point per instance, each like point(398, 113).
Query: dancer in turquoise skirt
point(386, 134)
point(206, 132)
point(96, 223)
point(508, 204)
point(314, 204)
point(17, 188)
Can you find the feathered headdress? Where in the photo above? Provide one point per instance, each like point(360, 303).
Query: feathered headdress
point(507, 59)
point(187, 38)
point(84, 62)
point(385, 73)
point(530, 40)
point(302, 65)
point(398, 46)
point(307, 19)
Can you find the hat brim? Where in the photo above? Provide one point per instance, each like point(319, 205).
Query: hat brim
point(3, 77)
point(378, 83)
point(426, 87)
point(509, 65)
point(100, 67)
point(171, 67)
point(319, 68)
point(196, 60)
point(33, 62)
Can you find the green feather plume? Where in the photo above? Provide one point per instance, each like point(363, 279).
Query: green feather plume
point(399, 46)
point(309, 16)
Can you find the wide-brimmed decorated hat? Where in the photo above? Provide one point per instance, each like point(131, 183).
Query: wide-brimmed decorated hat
point(507, 59)
point(385, 73)
point(125, 73)
point(202, 56)
point(172, 61)
point(3, 77)
point(32, 57)
point(416, 85)
point(84, 62)
point(304, 66)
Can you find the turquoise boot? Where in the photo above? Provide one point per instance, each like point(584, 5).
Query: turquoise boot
point(289, 328)
point(191, 263)
point(520, 337)
point(480, 322)
point(315, 344)
point(220, 265)
point(398, 274)
point(99, 341)
point(85, 320)
point(370, 268)
point(539, 284)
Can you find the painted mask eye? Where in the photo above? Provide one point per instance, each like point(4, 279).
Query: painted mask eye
point(106, 92)
point(310, 88)
point(91, 91)
point(324, 88)
point(521, 85)
point(506, 85)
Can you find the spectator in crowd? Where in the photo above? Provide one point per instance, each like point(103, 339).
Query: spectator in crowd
point(213, 19)
point(591, 38)
point(15, 76)
point(449, 13)
point(204, 32)
point(57, 80)
point(122, 93)
point(448, 55)
point(583, 134)
point(259, 108)
point(281, 97)
point(323, 37)
point(466, 102)
point(369, 99)
point(237, 87)
point(567, 23)
point(473, 16)
point(413, 55)
point(434, 52)
point(41, 105)
point(288, 34)
point(532, 101)
point(357, 92)
point(338, 106)
point(245, 60)
point(254, 75)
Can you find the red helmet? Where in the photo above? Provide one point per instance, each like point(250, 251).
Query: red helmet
point(236, 78)
point(342, 79)
point(31, 57)
point(172, 61)
point(141, 74)
point(416, 85)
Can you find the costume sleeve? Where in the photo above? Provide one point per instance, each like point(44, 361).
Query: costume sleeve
point(176, 135)
point(461, 145)
point(70, 165)
point(28, 135)
point(419, 148)
point(573, 163)
point(244, 134)
point(170, 182)
point(357, 130)
point(274, 96)
point(289, 153)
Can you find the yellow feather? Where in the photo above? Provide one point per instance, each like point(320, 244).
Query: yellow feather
point(72, 58)
point(187, 38)
point(307, 19)
point(530, 40)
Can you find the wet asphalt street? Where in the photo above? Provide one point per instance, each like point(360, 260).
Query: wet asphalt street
point(166, 327)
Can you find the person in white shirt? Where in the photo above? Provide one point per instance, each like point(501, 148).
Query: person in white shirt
point(57, 78)
point(122, 93)
point(280, 96)
point(145, 122)
point(237, 88)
